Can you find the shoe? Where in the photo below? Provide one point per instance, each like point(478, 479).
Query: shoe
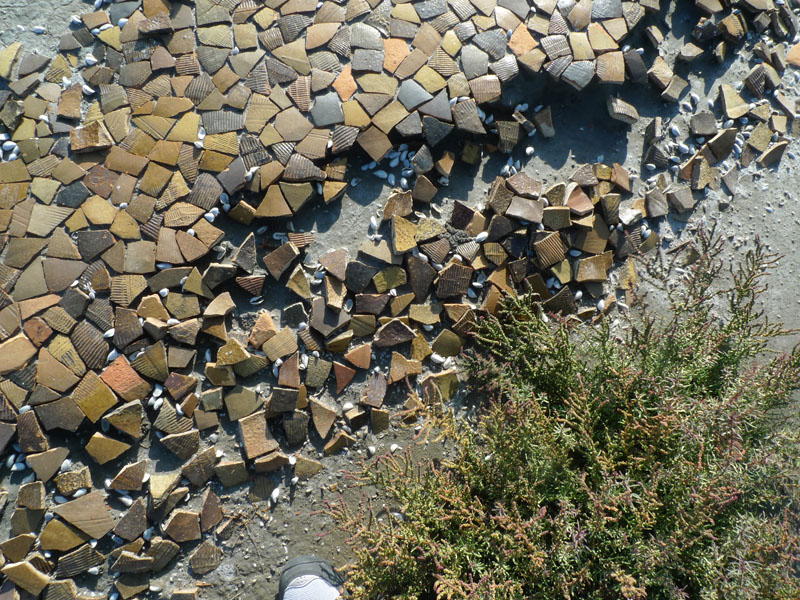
point(307, 565)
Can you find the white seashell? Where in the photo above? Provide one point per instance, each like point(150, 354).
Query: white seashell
point(38, 29)
point(437, 358)
point(601, 304)
point(90, 60)
point(94, 571)
point(347, 406)
point(66, 465)
point(163, 292)
point(60, 499)
point(16, 467)
point(79, 493)
point(481, 237)
point(158, 403)
point(87, 90)
point(256, 300)
point(75, 20)
point(172, 321)
point(394, 448)
point(578, 294)
point(276, 493)
point(112, 356)
point(122, 22)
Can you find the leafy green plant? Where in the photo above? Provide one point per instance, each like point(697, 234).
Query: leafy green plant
point(657, 460)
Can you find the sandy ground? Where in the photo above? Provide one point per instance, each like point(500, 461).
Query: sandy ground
point(262, 540)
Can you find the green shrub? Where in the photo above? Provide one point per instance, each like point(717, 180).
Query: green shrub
point(659, 460)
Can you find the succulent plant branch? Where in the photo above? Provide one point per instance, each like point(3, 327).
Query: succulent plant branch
point(655, 459)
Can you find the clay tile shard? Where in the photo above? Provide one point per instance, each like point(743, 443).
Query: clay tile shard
point(622, 111)
point(375, 143)
point(26, 576)
point(375, 390)
point(130, 477)
point(465, 115)
point(104, 449)
point(453, 280)
point(280, 259)
point(205, 558)
point(134, 521)
point(88, 513)
point(549, 250)
point(121, 378)
point(393, 333)
point(210, 512)
point(15, 353)
point(90, 137)
point(183, 526)
point(29, 434)
point(183, 445)
point(255, 436)
point(46, 464)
